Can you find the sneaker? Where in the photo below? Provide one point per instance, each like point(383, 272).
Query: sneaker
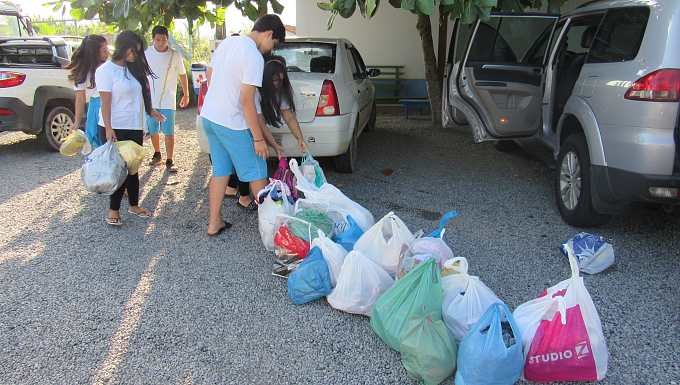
point(170, 166)
point(156, 159)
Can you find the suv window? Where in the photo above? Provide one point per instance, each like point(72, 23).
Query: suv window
point(620, 35)
point(26, 54)
point(459, 42)
point(308, 57)
point(508, 39)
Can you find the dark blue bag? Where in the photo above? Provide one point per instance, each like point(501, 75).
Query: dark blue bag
point(350, 235)
point(311, 280)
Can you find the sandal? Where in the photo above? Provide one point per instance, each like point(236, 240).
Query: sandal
point(252, 206)
point(232, 196)
point(221, 230)
point(114, 221)
point(142, 214)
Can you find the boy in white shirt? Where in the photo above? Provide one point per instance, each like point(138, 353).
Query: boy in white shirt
point(168, 66)
point(229, 115)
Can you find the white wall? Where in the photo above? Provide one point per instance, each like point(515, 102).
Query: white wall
point(389, 38)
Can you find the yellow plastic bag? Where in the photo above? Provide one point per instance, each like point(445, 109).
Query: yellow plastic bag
point(74, 143)
point(132, 153)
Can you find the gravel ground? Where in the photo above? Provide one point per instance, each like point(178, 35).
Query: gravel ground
point(159, 302)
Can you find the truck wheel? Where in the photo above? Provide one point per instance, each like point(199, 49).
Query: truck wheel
point(573, 191)
point(346, 163)
point(58, 124)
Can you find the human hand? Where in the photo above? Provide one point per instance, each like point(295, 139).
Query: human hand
point(261, 149)
point(280, 153)
point(160, 118)
point(302, 145)
point(184, 101)
point(110, 135)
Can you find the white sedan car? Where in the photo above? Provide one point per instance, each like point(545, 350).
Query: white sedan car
point(334, 99)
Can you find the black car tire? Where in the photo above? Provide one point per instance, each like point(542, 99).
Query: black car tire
point(579, 210)
point(57, 126)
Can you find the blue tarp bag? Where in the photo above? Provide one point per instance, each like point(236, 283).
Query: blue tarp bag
point(491, 353)
point(311, 280)
point(350, 235)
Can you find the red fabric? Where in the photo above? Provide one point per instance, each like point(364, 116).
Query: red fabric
point(291, 244)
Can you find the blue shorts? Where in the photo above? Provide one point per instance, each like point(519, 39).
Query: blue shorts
point(234, 150)
point(168, 127)
point(92, 123)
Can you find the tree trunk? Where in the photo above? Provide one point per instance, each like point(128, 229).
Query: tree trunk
point(434, 81)
point(443, 39)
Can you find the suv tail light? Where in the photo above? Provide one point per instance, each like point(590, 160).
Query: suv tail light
point(6, 112)
point(328, 101)
point(658, 86)
point(11, 79)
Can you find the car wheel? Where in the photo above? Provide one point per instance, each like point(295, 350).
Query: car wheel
point(57, 126)
point(370, 126)
point(573, 190)
point(346, 163)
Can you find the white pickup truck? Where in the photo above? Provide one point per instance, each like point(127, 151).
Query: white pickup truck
point(36, 96)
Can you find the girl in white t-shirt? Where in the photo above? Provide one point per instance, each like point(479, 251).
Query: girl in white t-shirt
point(93, 51)
point(125, 94)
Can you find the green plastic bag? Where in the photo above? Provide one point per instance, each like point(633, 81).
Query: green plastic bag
point(413, 297)
point(408, 317)
point(428, 352)
point(313, 221)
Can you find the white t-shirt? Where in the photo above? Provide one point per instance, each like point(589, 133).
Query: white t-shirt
point(160, 65)
point(258, 103)
point(236, 61)
point(127, 102)
point(89, 92)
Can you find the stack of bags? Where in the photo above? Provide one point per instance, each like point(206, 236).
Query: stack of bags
point(421, 299)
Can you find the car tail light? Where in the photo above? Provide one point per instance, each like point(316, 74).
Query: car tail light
point(658, 86)
point(328, 101)
point(6, 112)
point(11, 79)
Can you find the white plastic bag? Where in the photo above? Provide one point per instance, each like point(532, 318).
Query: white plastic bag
point(269, 209)
point(466, 298)
point(333, 253)
point(336, 214)
point(422, 249)
point(360, 283)
point(333, 197)
point(562, 333)
point(104, 170)
point(201, 136)
point(385, 241)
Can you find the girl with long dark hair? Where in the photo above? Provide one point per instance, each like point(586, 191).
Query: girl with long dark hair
point(125, 95)
point(274, 104)
point(93, 51)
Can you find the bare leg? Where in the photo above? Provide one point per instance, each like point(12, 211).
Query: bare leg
point(169, 146)
point(156, 141)
point(257, 185)
point(215, 196)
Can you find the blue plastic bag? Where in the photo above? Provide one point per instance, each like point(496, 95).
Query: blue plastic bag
point(593, 253)
point(491, 353)
point(311, 280)
point(350, 235)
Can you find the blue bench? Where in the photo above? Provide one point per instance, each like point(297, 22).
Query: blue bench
point(418, 104)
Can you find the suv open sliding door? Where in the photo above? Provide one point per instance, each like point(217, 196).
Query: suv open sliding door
point(502, 75)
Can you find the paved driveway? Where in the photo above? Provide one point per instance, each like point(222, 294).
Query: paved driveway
point(159, 302)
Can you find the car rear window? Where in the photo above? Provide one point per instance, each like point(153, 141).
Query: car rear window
point(308, 57)
point(26, 54)
point(620, 35)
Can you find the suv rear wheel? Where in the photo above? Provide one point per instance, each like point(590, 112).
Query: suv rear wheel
point(572, 185)
point(57, 126)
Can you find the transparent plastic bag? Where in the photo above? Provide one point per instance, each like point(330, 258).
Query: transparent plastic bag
point(104, 170)
point(270, 208)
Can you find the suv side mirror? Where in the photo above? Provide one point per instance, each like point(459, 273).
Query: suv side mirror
point(374, 72)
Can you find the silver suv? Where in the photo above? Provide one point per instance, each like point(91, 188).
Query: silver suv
point(599, 86)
